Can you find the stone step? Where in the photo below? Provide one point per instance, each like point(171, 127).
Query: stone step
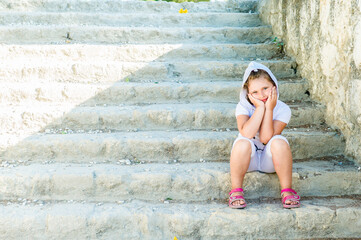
point(317, 218)
point(133, 35)
point(154, 146)
point(195, 182)
point(121, 6)
point(201, 116)
point(113, 71)
point(136, 93)
point(168, 19)
point(138, 53)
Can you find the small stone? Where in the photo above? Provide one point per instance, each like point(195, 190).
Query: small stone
point(166, 202)
point(47, 131)
point(228, 130)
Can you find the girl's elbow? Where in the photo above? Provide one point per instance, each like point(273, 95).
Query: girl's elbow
point(246, 135)
point(265, 140)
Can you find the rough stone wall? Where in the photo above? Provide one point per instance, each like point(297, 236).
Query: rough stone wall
point(324, 37)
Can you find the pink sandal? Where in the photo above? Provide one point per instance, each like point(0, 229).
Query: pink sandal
point(236, 198)
point(294, 198)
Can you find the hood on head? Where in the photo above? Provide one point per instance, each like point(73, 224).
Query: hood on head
point(254, 66)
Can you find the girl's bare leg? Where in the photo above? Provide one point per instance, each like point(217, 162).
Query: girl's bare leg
point(239, 163)
point(282, 161)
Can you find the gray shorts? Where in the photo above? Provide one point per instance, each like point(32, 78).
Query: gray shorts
point(261, 157)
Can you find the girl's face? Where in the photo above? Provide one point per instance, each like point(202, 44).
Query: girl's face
point(260, 88)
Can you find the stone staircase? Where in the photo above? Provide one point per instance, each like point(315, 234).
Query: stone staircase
point(117, 120)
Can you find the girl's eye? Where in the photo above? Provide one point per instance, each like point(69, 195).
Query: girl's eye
point(265, 88)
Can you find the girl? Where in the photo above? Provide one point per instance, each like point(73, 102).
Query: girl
point(261, 118)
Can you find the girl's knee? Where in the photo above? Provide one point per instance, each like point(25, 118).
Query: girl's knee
point(279, 145)
point(243, 146)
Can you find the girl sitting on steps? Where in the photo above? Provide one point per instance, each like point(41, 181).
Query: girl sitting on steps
point(261, 118)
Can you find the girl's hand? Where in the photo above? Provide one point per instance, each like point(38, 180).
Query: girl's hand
point(257, 103)
point(272, 99)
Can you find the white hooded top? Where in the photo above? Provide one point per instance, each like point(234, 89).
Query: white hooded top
point(281, 112)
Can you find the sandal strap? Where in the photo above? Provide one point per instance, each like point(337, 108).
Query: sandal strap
point(294, 198)
point(288, 190)
point(236, 190)
point(234, 198)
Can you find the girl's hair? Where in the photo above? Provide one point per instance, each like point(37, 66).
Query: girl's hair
point(257, 74)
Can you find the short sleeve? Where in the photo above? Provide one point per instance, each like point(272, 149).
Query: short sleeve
point(283, 113)
point(242, 110)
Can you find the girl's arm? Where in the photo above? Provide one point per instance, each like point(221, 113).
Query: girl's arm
point(270, 128)
point(275, 129)
point(247, 126)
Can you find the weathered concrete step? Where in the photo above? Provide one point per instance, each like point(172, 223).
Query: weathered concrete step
point(137, 19)
point(124, 6)
point(155, 146)
point(139, 35)
point(317, 218)
point(196, 182)
point(193, 116)
point(141, 53)
point(113, 71)
point(137, 93)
